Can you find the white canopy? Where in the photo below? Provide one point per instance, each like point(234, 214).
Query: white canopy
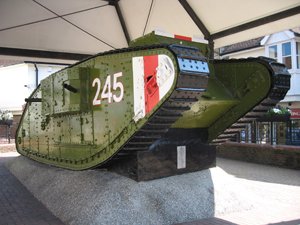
point(38, 28)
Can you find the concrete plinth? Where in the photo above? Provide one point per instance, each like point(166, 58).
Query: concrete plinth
point(167, 161)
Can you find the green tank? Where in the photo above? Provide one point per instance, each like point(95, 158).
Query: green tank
point(158, 91)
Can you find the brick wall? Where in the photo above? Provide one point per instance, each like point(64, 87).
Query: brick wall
point(280, 155)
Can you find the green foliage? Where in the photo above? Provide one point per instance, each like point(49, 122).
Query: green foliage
point(279, 111)
point(5, 116)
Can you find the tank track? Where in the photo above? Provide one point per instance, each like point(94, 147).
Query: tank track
point(280, 79)
point(189, 88)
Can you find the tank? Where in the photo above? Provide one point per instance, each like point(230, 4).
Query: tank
point(160, 90)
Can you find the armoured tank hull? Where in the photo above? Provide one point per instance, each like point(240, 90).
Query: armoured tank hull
point(142, 98)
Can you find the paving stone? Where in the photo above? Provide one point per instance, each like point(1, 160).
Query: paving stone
point(18, 206)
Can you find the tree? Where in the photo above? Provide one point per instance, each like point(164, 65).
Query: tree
point(6, 118)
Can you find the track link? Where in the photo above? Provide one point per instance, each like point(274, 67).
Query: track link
point(191, 84)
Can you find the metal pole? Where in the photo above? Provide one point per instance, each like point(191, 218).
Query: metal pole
point(36, 75)
point(211, 45)
point(271, 133)
point(9, 134)
point(290, 132)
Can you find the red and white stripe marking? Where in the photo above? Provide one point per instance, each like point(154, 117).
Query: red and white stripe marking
point(153, 77)
point(181, 37)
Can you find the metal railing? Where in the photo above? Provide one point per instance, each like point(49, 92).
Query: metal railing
point(274, 133)
point(5, 134)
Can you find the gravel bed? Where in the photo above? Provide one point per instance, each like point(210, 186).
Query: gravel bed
point(7, 148)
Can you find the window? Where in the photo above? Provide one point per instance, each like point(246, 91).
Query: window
point(287, 54)
point(298, 54)
point(273, 52)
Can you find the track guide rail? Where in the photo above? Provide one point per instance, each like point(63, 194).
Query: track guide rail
point(191, 84)
point(280, 79)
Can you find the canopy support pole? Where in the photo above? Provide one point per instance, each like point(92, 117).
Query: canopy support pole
point(258, 22)
point(115, 3)
point(200, 25)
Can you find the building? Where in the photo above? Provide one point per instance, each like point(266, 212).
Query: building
point(285, 48)
point(16, 83)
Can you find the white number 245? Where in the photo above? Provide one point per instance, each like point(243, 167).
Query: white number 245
point(108, 88)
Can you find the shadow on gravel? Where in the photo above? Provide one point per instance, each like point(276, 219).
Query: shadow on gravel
point(257, 172)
